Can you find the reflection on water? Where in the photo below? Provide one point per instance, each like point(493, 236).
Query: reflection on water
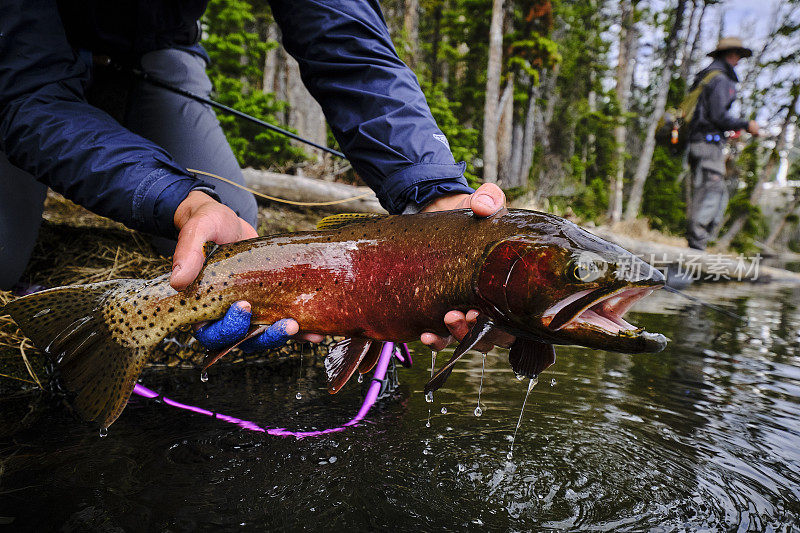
point(705, 435)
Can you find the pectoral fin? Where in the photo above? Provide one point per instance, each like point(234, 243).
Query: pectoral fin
point(371, 359)
point(482, 326)
point(342, 361)
point(530, 358)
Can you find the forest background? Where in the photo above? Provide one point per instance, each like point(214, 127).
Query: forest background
point(557, 101)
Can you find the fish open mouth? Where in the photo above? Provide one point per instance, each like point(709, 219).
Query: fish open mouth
point(596, 308)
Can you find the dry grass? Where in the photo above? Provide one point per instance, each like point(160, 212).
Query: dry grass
point(77, 246)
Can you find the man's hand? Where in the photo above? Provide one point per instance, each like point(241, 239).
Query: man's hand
point(200, 219)
point(753, 129)
point(484, 202)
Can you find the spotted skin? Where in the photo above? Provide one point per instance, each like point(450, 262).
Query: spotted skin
point(386, 278)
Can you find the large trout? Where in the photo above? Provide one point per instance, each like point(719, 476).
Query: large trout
point(378, 278)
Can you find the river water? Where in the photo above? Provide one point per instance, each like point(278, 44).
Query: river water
point(703, 436)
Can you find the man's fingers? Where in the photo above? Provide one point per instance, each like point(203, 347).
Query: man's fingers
point(435, 342)
point(188, 258)
point(487, 200)
point(226, 331)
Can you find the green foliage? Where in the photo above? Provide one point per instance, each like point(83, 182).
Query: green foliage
point(463, 141)
point(750, 166)
point(591, 200)
point(662, 201)
point(237, 54)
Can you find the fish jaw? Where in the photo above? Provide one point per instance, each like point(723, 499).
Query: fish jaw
point(599, 322)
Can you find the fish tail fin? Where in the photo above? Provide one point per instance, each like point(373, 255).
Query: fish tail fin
point(72, 326)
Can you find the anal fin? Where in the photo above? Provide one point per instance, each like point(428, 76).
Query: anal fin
point(530, 358)
point(483, 325)
point(343, 360)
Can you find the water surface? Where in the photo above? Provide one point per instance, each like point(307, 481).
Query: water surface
point(703, 436)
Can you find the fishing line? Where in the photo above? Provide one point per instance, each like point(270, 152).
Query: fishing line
point(275, 199)
point(706, 304)
point(376, 388)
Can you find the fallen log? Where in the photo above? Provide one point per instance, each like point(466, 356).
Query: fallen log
point(699, 265)
point(305, 190)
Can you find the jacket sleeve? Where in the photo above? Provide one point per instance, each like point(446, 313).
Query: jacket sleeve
point(49, 130)
point(720, 94)
point(372, 101)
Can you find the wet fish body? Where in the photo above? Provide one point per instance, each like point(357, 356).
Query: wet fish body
point(380, 278)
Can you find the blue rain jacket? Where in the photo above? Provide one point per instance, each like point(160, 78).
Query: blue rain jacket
point(372, 101)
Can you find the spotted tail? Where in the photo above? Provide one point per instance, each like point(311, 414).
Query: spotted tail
point(74, 327)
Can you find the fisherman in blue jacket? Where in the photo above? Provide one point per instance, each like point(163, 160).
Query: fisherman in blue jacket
point(707, 140)
point(131, 167)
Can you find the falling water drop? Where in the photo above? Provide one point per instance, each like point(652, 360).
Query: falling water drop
point(509, 456)
point(428, 423)
point(429, 395)
point(531, 384)
point(553, 382)
point(478, 411)
point(444, 410)
point(204, 377)
point(298, 396)
point(361, 378)
point(103, 432)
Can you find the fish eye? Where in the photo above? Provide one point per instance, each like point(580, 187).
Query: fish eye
point(586, 269)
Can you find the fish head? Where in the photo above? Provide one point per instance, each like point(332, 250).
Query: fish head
point(559, 284)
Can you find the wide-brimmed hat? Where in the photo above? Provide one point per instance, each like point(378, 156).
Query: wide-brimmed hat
point(731, 44)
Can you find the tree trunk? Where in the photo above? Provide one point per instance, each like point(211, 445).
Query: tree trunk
point(302, 189)
point(490, 118)
point(688, 60)
point(515, 163)
point(784, 219)
point(627, 38)
point(411, 31)
point(505, 110)
point(270, 61)
point(305, 114)
point(435, 66)
point(528, 139)
point(755, 196)
point(685, 49)
point(646, 157)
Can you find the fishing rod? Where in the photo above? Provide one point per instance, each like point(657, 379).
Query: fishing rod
point(696, 300)
point(213, 103)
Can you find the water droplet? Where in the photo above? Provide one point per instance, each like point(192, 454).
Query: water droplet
point(103, 432)
point(298, 396)
point(553, 382)
point(531, 384)
point(428, 424)
point(204, 377)
point(478, 411)
point(361, 378)
point(429, 397)
point(520, 377)
point(444, 410)
point(333, 459)
point(41, 313)
point(509, 456)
